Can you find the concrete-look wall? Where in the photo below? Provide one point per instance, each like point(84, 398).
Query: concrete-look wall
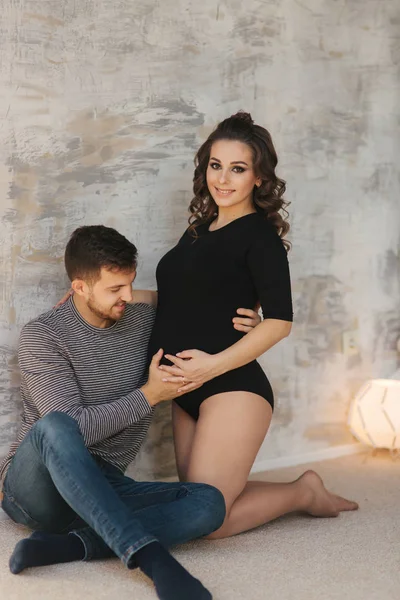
point(102, 107)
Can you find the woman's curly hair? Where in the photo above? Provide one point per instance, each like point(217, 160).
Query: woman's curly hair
point(268, 198)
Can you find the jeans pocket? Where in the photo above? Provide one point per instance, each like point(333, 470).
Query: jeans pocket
point(17, 513)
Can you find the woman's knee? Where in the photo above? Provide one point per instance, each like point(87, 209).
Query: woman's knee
point(222, 525)
point(218, 534)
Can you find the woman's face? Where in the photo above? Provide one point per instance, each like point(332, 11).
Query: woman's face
point(230, 175)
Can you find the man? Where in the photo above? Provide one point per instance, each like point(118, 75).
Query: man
point(87, 408)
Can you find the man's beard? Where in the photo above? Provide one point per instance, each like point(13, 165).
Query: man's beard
point(101, 314)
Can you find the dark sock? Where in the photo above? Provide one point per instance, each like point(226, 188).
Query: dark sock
point(42, 549)
point(171, 580)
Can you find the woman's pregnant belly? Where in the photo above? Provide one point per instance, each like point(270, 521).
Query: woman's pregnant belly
point(176, 332)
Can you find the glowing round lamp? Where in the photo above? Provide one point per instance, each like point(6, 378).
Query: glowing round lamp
point(374, 417)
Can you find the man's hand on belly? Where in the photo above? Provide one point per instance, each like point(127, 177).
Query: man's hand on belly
point(158, 388)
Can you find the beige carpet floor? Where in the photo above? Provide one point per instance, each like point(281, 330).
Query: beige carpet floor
point(353, 557)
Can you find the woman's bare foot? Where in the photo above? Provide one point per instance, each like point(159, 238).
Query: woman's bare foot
point(318, 501)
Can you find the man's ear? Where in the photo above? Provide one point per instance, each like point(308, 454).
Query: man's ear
point(79, 287)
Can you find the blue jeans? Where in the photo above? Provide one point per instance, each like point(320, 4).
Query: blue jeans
point(54, 484)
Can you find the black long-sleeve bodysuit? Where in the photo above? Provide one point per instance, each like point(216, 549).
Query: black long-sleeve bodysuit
point(201, 284)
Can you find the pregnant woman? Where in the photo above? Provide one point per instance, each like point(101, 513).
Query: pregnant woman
point(233, 254)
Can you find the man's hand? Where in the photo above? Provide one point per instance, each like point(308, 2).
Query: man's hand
point(159, 388)
point(249, 320)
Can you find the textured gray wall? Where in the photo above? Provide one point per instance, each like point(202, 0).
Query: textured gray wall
point(103, 105)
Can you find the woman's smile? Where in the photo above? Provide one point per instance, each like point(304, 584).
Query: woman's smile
point(224, 192)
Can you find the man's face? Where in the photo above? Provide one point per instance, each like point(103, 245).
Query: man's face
point(107, 297)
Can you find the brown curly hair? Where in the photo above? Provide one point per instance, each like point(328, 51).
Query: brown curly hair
point(267, 198)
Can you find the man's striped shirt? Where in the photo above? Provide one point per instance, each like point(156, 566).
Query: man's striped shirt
point(91, 374)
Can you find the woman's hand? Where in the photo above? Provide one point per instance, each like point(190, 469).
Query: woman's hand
point(193, 366)
point(64, 298)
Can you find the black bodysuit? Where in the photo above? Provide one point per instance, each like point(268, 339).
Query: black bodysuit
point(201, 284)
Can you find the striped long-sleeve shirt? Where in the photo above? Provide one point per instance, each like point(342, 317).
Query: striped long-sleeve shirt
point(92, 374)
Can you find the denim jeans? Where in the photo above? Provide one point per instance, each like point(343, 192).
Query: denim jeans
point(54, 484)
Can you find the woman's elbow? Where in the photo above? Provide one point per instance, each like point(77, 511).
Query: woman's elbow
point(282, 328)
point(285, 327)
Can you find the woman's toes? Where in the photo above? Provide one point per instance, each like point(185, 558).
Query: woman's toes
point(344, 505)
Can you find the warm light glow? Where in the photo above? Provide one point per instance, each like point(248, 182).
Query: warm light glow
point(374, 417)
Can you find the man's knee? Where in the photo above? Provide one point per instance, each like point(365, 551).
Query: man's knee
point(55, 428)
point(55, 421)
point(213, 508)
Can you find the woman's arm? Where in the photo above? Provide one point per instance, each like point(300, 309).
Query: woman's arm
point(145, 297)
point(197, 367)
point(251, 346)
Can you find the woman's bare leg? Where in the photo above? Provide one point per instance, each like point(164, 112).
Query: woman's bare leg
point(184, 427)
point(227, 437)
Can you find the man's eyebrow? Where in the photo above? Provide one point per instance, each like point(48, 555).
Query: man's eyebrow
point(117, 285)
point(234, 162)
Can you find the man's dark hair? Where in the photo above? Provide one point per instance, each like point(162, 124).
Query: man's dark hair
point(95, 246)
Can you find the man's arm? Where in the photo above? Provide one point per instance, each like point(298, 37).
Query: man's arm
point(50, 381)
point(145, 296)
